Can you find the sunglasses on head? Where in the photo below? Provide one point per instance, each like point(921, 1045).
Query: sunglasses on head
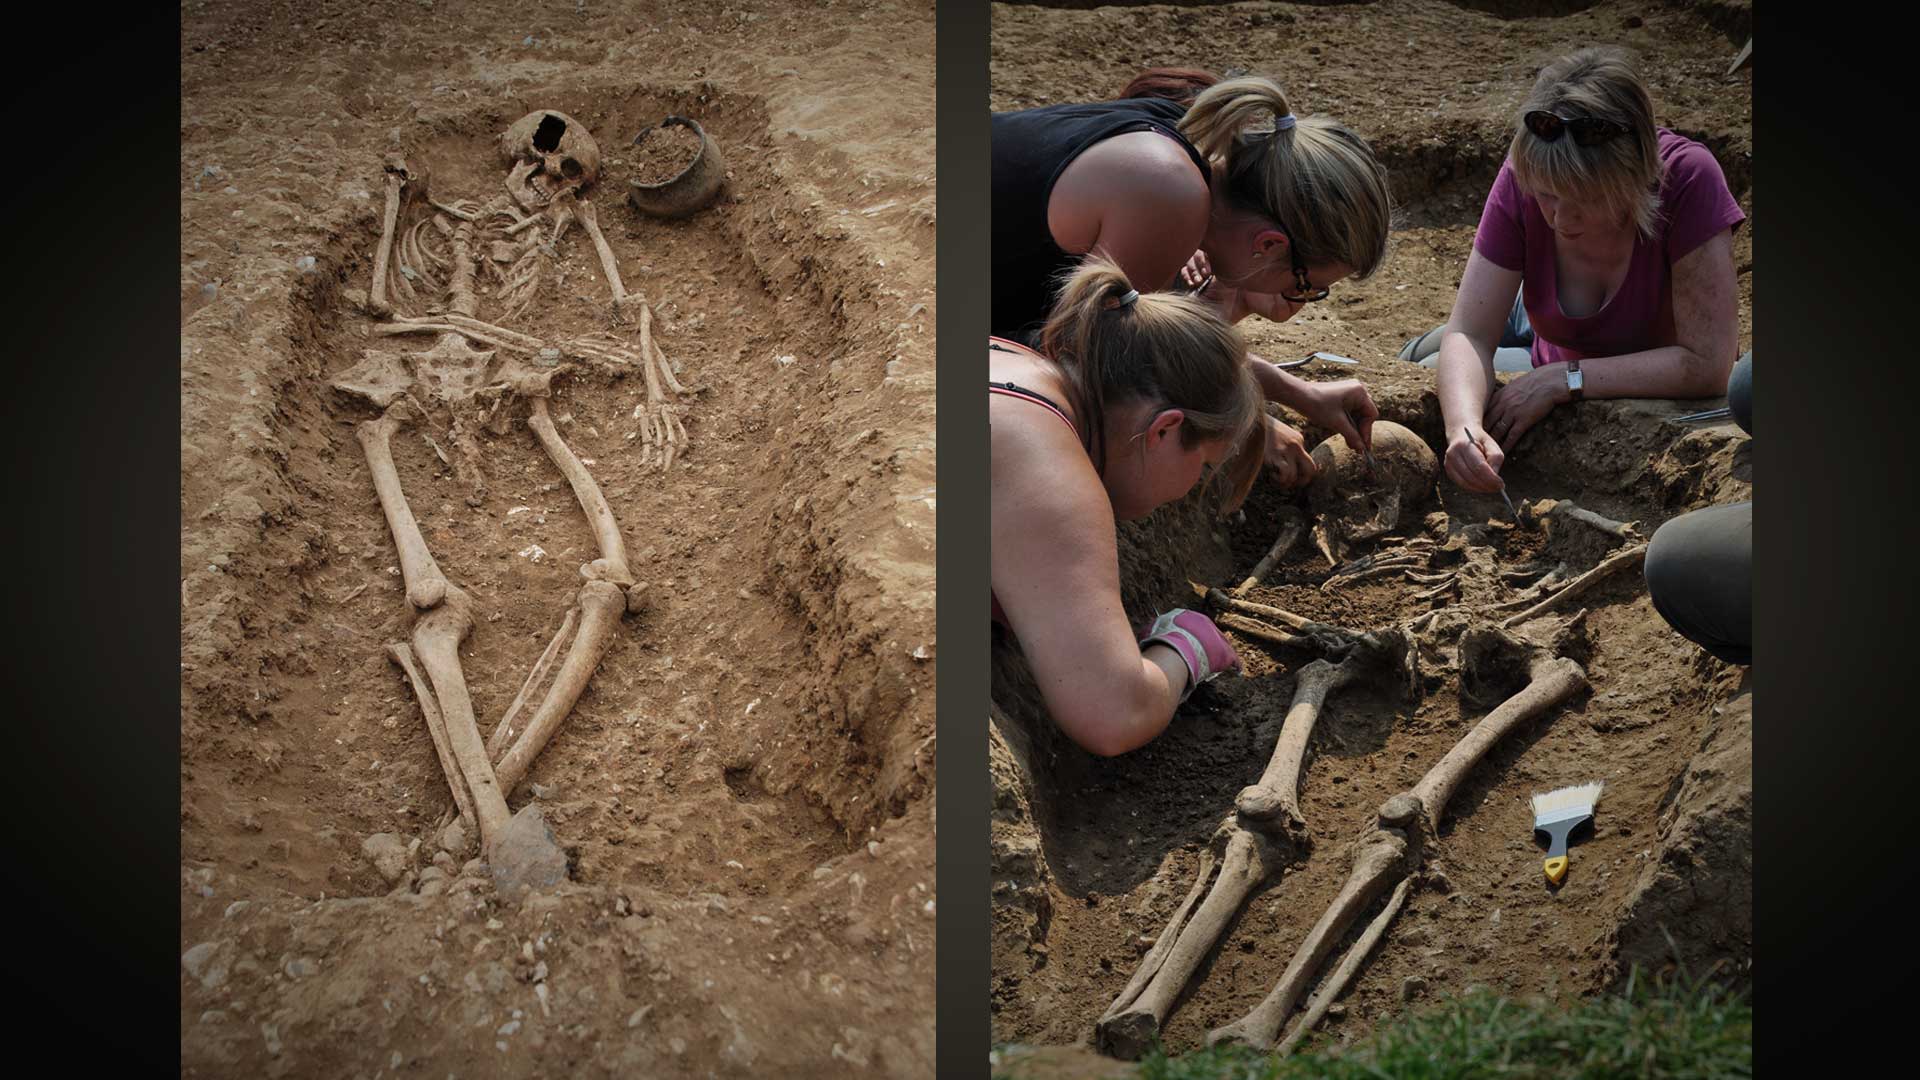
point(1587, 130)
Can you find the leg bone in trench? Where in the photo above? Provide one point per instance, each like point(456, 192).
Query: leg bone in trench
point(1324, 997)
point(436, 641)
point(503, 731)
point(426, 585)
point(1262, 833)
point(612, 563)
point(601, 605)
point(1130, 1024)
point(1391, 849)
point(437, 728)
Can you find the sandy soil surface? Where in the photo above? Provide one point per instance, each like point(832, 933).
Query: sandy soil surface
point(744, 792)
point(1092, 856)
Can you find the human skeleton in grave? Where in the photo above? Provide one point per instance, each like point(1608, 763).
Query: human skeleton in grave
point(439, 268)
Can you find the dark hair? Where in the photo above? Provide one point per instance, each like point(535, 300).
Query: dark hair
point(1169, 350)
point(1180, 85)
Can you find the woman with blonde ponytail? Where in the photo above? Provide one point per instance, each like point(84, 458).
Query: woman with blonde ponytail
point(1215, 186)
point(1128, 400)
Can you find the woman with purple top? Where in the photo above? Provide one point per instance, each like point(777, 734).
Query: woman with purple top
point(1618, 238)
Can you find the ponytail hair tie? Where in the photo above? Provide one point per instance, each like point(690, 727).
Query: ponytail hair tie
point(1129, 298)
point(1284, 123)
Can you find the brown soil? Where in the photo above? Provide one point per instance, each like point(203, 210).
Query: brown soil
point(664, 154)
point(745, 790)
point(1093, 855)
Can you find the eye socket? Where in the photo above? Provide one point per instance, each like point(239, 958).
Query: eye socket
point(570, 169)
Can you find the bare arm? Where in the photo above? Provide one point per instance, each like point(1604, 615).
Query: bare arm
point(1055, 569)
point(1472, 332)
point(1707, 328)
point(1706, 320)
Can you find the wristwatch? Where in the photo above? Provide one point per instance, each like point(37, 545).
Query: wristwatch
point(1575, 383)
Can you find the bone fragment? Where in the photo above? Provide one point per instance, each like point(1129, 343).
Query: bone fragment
point(1383, 570)
point(1128, 1027)
point(1630, 559)
point(1379, 855)
point(1548, 582)
point(436, 641)
point(667, 373)
point(612, 564)
point(1298, 622)
point(1156, 957)
point(1336, 983)
point(591, 219)
point(465, 211)
point(1619, 530)
point(1290, 531)
point(1552, 680)
point(436, 727)
point(1265, 633)
point(1276, 794)
point(1446, 583)
point(601, 605)
point(396, 178)
point(426, 585)
point(503, 731)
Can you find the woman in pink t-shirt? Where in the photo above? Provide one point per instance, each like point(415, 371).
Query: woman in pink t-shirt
point(1618, 237)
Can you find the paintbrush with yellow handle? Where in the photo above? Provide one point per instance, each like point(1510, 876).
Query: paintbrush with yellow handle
point(1558, 814)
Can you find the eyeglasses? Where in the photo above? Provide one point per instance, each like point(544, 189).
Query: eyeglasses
point(1587, 130)
point(1307, 293)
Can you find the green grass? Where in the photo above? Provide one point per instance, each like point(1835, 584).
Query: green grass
point(1675, 1031)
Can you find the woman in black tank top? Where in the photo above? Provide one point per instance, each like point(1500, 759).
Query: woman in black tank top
point(1187, 177)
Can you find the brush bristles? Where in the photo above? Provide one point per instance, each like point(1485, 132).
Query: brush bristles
point(1567, 798)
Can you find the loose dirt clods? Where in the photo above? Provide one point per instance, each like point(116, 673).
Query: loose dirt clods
point(1124, 905)
point(713, 873)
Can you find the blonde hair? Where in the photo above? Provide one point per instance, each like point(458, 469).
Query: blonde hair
point(1316, 178)
point(1622, 174)
point(1170, 351)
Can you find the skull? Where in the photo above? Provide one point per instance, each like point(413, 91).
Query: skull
point(551, 154)
point(1352, 506)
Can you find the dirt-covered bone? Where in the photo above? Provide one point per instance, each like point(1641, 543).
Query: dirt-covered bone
point(1392, 848)
point(1566, 510)
point(549, 154)
point(1262, 834)
point(601, 606)
point(1292, 525)
point(402, 655)
point(1352, 503)
point(1619, 562)
point(1336, 983)
point(590, 218)
point(396, 174)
